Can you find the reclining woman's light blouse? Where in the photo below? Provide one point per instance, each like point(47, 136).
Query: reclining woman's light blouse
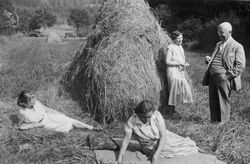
point(54, 121)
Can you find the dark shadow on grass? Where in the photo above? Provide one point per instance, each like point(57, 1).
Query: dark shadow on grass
point(177, 117)
point(246, 114)
point(165, 109)
point(14, 119)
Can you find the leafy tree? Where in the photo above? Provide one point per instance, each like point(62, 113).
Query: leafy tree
point(78, 18)
point(25, 19)
point(7, 19)
point(92, 13)
point(43, 16)
point(164, 14)
point(190, 28)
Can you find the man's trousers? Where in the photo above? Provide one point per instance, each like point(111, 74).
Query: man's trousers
point(219, 93)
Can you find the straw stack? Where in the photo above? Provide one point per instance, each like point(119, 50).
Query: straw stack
point(116, 68)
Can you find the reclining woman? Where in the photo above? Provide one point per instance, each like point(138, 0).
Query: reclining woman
point(149, 129)
point(35, 115)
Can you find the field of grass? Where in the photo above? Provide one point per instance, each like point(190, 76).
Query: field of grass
point(30, 63)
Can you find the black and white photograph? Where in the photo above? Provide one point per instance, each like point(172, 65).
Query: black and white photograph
point(124, 82)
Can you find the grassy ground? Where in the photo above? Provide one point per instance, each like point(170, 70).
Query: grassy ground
point(31, 63)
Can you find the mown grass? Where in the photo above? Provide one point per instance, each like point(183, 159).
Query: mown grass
point(228, 142)
point(30, 63)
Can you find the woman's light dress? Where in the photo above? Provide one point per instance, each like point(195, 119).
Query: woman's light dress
point(55, 121)
point(179, 89)
point(148, 136)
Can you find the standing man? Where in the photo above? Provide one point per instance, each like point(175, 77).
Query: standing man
point(223, 73)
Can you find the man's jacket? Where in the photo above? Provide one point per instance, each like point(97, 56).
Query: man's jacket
point(233, 60)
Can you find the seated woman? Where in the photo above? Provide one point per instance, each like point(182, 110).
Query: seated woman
point(149, 129)
point(35, 114)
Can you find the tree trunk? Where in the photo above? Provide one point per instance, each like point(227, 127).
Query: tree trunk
point(44, 28)
point(77, 30)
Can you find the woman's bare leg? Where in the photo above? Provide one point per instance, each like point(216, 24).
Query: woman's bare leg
point(79, 124)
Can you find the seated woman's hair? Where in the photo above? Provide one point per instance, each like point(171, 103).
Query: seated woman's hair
point(144, 107)
point(24, 98)
point(175, 34)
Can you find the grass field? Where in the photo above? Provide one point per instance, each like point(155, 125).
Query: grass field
point(30, 63)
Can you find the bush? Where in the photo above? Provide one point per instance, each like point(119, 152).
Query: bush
point(164, 14)
point(190, 28)
point(78, 18)
point(208, 36)
point(25, 17)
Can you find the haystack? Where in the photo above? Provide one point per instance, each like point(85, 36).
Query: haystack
point(53, 38)
point(116, 68)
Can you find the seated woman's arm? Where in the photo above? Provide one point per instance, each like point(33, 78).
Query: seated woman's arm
point(26, 126)
point(125, 142)
point(162, 129)
point(20, 119)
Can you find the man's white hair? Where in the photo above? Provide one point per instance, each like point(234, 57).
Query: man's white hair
point(226, 25)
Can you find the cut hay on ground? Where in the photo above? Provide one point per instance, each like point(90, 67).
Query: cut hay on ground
point(116, 69)
point(53, 38)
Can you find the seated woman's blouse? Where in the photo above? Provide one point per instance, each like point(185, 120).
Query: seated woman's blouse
point(55, 121)
point(148, 135)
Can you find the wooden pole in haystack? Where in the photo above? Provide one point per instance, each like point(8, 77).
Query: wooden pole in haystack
point(121, 63)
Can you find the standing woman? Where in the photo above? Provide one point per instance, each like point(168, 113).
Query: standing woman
point(178, 87)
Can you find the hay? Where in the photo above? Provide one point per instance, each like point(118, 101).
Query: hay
point(53, 38)
point(231, 141)
point(116, 68)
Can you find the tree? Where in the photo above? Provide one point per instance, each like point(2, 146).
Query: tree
point(78, 18)
point(8, 18)
point(164, 14)
point(25, 19)
point(190, 28)
point(44, 16)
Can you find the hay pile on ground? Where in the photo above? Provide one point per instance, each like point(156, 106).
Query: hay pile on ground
point(116, 68)
point(53, 38)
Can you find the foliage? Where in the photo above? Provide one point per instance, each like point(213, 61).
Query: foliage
point(78, 18)
point(6, 5)
point(25, 19)
point(190, 28)
point(190, 17)
point(92, 13)
point(43, 16)
point(6, 10)
point(208, 36)
point(164, 14)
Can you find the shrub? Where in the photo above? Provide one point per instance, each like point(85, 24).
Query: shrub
point(164, 14)
point(25, 17)
point(190, 28)
point(208, 36)
point(78, 18)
